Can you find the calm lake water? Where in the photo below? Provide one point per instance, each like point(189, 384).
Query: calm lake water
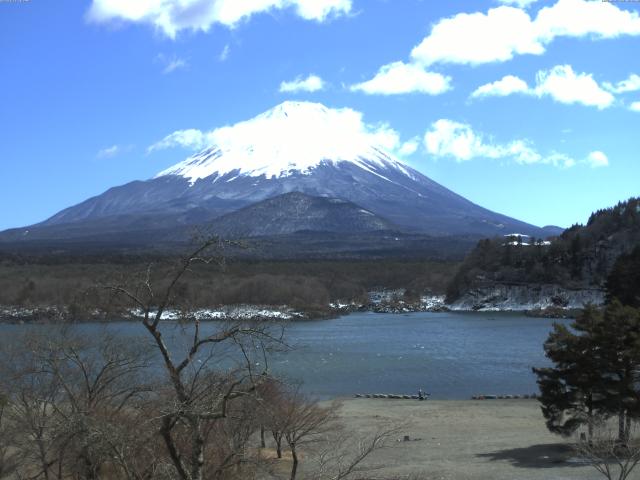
point(451, 355)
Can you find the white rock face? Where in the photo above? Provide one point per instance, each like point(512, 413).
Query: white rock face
point(521, 297)
point(293, 137)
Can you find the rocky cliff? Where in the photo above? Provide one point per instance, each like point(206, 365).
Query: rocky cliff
point(502, 297)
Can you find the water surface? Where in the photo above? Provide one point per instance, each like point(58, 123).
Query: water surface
point(451, 355)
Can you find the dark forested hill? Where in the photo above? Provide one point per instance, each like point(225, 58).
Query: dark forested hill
point(581, 257)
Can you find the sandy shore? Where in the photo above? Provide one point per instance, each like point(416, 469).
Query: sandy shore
point(460, 440)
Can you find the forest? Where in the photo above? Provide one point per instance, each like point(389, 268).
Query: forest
point(582, 256)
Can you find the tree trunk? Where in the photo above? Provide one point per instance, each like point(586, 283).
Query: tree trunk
point(294, 465)
point(169, 442)
point(278, 440)
point(90, 470)
point(263, 444)
point(197, 454)
point(627, 429)
point(590, 424)
point(621, 425)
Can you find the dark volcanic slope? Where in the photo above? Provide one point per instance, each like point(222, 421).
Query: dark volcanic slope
point(412, 202)
point(295, 212)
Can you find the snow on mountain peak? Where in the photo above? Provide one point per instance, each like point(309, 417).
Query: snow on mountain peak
point(292, 137)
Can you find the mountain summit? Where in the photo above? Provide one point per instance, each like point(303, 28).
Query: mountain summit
point(294, 147)
point(293, 137)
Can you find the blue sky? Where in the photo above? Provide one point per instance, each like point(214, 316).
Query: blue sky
point(529, 108)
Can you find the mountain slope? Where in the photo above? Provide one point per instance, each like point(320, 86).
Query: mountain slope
point(296, 212)
point(294, 147)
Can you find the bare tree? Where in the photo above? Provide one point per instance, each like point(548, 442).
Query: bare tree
point(304, 421)
point(68, 393)
point(201, 387)
point(614, 459)
point(7, 457)
point(343, 456)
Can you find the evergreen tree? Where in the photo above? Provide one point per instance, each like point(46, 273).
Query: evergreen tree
point(618, 359)
point(569, 390)
point(596, 372)
point(623, 282)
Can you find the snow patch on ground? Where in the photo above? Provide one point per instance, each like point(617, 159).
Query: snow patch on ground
point(234, 312)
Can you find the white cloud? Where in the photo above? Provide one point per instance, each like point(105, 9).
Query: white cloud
point(172, 16)
point(314, 124)
point(312, 83)
point(560, 83)
point(448, 138)
point(477, 38)
point(585, 18)
point(504, 32)
point(109, 152)
point(635, 107)
point(563, 85)
point(192, 139)
point(518, 3)
point(560, 159)
point(597, 159)
point(409, 147)
point(224, 54)
point(457, 140)
point(507, 85)
point(384, 136)
point(631, 84)
point(399, 77)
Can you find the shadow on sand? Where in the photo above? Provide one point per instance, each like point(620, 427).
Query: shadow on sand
point(548, 455)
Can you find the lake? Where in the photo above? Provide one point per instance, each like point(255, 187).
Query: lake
point(451, 355)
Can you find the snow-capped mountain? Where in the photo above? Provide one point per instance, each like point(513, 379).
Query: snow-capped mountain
point(294, 147)
point(292, 138)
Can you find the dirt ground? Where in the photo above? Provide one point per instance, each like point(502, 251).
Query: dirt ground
point(460, 440)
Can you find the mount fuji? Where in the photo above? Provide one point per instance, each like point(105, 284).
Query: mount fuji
point(294, 147)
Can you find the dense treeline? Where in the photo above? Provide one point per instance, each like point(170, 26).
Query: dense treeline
point(582, 256)
point(311, 285)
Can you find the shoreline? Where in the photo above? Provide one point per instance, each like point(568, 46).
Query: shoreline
point(53, 315)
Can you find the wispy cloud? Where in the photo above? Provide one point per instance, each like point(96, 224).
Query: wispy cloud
point(630, 84)
point(170, 63)
point(312, 83)
point(560, 83)
point(409, 147)
point(458, 141)
point(191, 138)
point(109, 152)
point(224, 54)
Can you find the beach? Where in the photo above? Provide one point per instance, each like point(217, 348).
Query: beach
point(464, 439)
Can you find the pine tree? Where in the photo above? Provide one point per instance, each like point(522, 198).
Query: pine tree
point(570, 390)
point(596, 372)
point(618, 361)
point(623, 282)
